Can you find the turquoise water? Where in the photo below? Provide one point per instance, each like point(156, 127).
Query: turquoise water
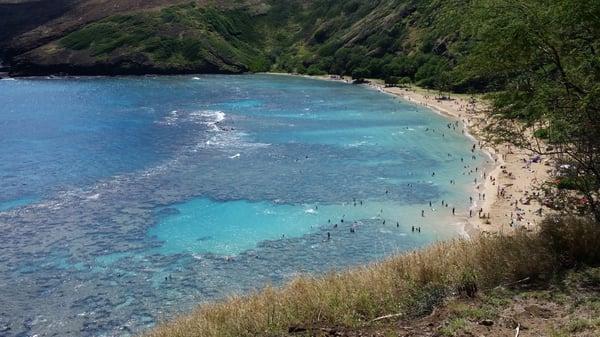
point(10, 204)
point(229, 228)
point(127, 200)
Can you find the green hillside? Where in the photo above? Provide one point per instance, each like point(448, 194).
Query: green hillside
point(396, 40)
point(179, 38)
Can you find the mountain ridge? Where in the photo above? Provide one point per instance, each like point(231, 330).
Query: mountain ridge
point(386, 38)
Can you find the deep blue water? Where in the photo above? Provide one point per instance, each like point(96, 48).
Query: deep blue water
point(128, 200)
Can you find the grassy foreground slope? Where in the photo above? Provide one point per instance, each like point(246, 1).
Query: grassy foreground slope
point(464, 276)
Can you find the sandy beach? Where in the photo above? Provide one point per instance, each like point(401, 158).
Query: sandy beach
point(504, 195)
point(503, 200)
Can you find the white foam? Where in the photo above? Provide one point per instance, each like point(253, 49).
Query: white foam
point(206, 117)
point(170, 119)
point(94, 196)
point(237, 155)
point(357, 144)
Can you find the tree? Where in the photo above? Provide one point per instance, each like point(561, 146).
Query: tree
point(544, 55)
point(360, 73)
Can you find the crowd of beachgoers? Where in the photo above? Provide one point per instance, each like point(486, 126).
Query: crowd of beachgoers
point(506, 197)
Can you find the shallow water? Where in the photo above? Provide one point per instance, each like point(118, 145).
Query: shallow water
point(127, 200)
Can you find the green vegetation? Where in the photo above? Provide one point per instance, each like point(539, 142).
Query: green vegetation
point(485, 311)
point(453, 327)
point(583, 324)
point(407, 286)
point(178, 37)
point(542, 60)
point(384, 39)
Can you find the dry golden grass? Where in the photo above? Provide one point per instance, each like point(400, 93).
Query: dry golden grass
point(409, 284)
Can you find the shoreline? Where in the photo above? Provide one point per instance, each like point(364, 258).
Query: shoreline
point(505, 190)
point(508, 201)
point(505, 195)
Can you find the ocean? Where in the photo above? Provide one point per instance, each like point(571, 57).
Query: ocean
point(125, 201)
